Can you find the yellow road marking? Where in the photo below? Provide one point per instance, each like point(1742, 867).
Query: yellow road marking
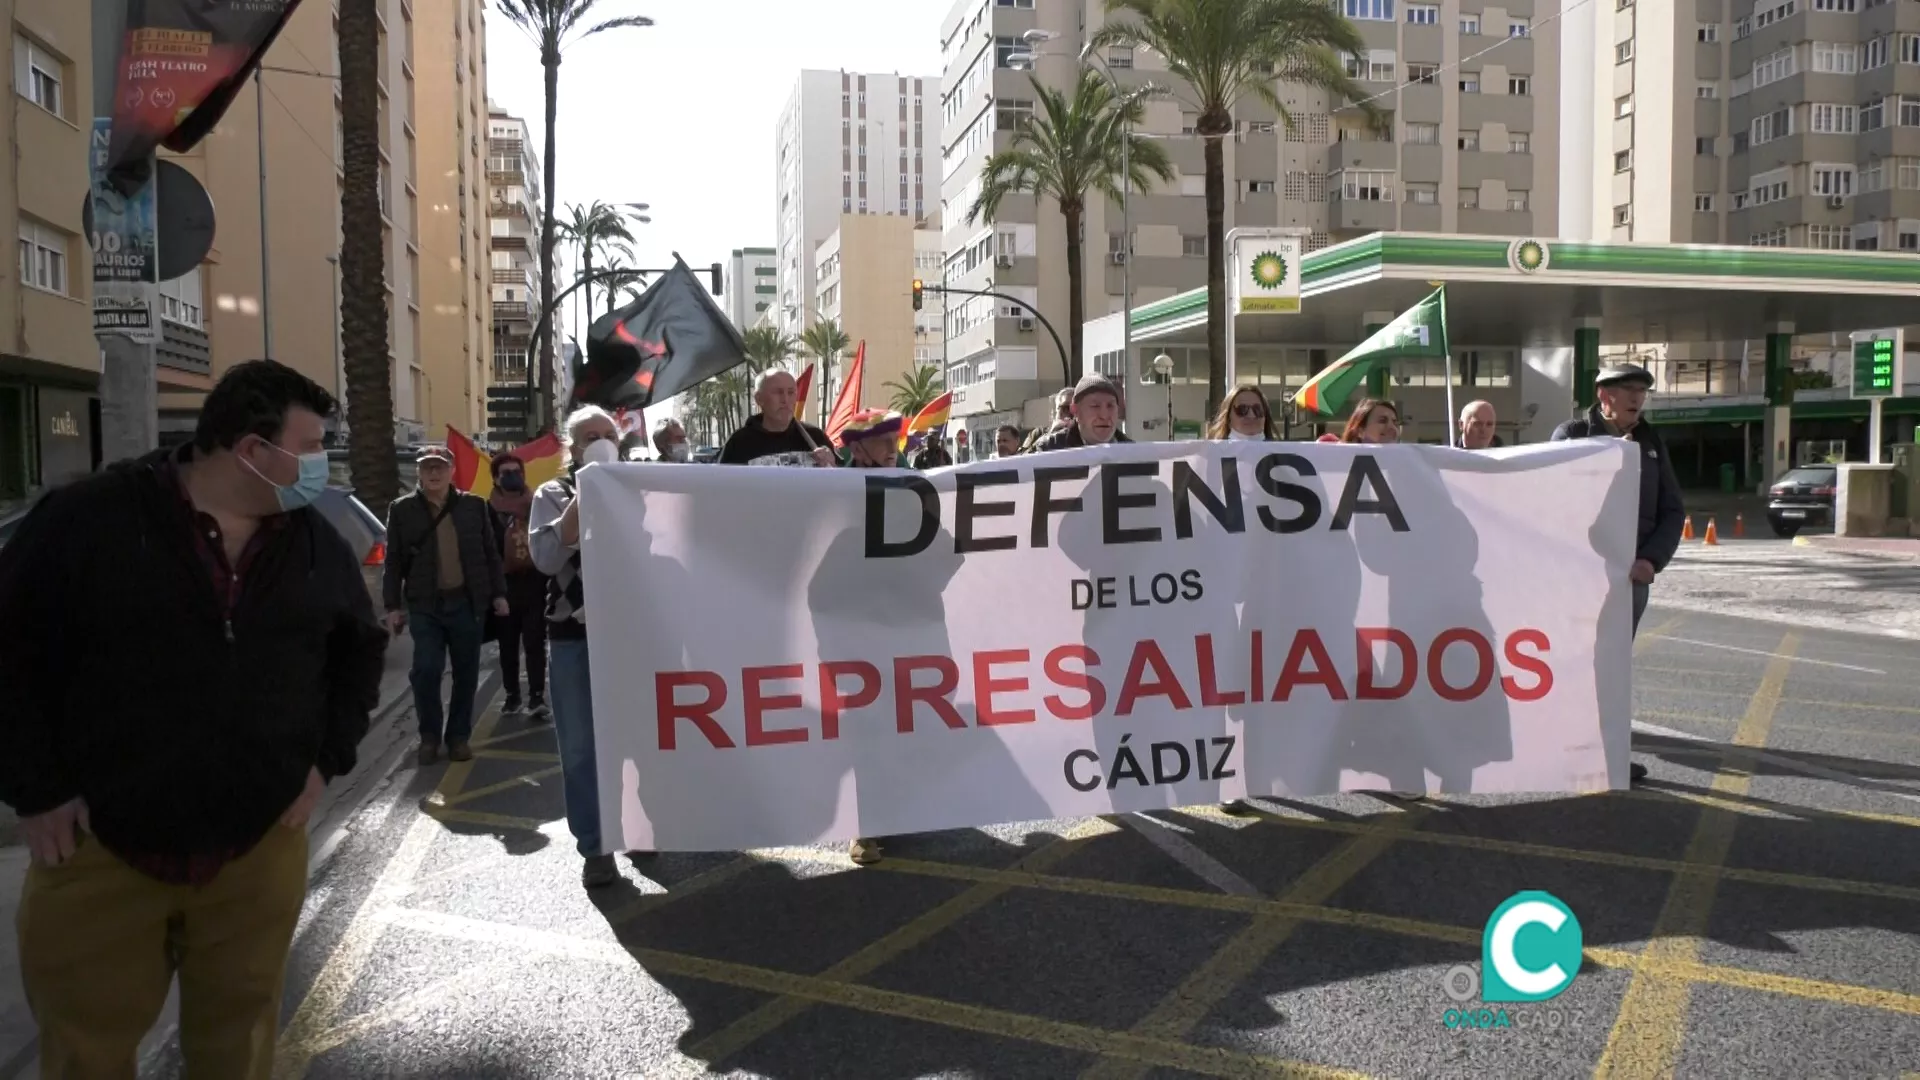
point(349, 958)
point(1657, 630)
point(526, 780)
point(1188, 1004)
point(1647, 1034)
point(396, 1012)
point(738, 1035)
point(1602, 858)
point(1904, 710)
point(517, 755)
point(1781, 725)
point(1757, 807)
point(484, 820)
point(827, 990)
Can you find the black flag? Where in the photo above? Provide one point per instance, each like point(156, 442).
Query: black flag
point(672, 338)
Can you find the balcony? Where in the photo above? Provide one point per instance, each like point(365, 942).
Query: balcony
point(506, 168)
point(510, 311)
point(513, 277)
point(509, 242)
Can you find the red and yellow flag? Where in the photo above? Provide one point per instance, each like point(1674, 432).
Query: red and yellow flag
point(934, 415)
point(801, 386)
point(472, 471)
point(847, 403)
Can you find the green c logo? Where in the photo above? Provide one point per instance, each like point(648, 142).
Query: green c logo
point(1531, 949)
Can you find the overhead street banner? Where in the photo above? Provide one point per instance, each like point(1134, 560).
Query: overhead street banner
point(790, 656)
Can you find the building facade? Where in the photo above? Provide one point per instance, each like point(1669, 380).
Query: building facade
point(49, 361)
point(454, 290)
point(751, 286)
point(848, 143)
point(513, 208)
point(1466, 140)
point(865, 272)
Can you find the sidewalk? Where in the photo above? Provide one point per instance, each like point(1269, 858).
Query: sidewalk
point(1891, 547)
point(391, 731)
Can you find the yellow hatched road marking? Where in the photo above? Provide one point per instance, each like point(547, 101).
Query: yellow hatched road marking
point(483, 819)
point(517, 755)
point(1780, 725)
point(525, 780)
point(1757, 807)
point(1647, 1034)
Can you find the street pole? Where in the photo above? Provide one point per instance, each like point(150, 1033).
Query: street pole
point(266, 280)
point(1126, 246)
point(339, 372)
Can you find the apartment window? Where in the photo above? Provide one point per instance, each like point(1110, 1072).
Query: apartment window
point(1832, 180)
point(1003, 47)
point(1623, 52)
point(1767, 16)
point(1470, 199)
point(1873, 54)
point(1193, 247)
point(1909, 112)
point(1774, 238)
point(1836, 58)
point(1873, 115)
point(1907, 174)
point(1768, 187)
point(1773, 67)
point(1739, 200)
point(1366, 185)
point(1422, 73)
point(1010, 114)
point(1622, 160)
point(1623, 107)
point(1517, 200)
point(180, 300)
point(1259, 187)
point(1260, 127)
point(1909, 48)
point(1777, 124)
point(1423, 194)
point(1873, 176)
point(37, 75)
point(1423, 14)
point(1469, 140)
point(1707, 33)
point(1739, 142)
point(1375, 67)
point(1703, 145)
point(1703, 204)
point(1374, 10)
point(1706, 91)
point(43, 258)
point(1742, 27)
point(1834, 5)
point(1519, 28)
point(1469, 24)
point(1623, 214)
point(1423, 134)
point(1519, 142)
point(1120, 57)
point(1833, 119)
point(1470, 84)
point(1830, 237)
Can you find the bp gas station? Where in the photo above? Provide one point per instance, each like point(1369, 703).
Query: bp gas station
point(1528, 322)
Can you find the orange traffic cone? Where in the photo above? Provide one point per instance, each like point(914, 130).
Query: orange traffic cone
point(1712, 538)
point(1686, 528)
point(1739, 526)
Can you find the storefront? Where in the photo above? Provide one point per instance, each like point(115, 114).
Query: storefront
point(49, 434)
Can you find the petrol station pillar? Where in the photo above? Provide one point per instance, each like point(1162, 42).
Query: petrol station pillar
point(1777, 425)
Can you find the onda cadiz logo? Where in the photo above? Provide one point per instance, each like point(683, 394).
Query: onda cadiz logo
point(1531, 949)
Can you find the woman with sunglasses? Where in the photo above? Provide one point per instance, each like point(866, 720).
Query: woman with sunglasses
point(1375, 422)
point(1243, 417)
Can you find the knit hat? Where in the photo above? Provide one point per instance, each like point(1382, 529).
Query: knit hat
point(872, 424)
point(1094, 383)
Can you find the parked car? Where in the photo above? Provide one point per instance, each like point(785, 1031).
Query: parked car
point(707, 455)
point(365, 534)
point(1802, 497)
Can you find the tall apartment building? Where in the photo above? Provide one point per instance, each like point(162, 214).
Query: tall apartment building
point(847, 143)
point(455, 291)
point(49, 361)
point(1783, 123)
point(865, 271)
point(1469, 142)
point(750, 285)
point(513, 207)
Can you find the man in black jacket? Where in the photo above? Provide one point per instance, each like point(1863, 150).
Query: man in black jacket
point(1622, 392)
point(1096, 418)
point(189, 656)
point(443, 576)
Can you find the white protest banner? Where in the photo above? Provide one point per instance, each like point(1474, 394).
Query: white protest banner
point(802, 655)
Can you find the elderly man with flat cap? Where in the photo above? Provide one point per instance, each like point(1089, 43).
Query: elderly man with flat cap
point(1622, 393)
point(1096, 417)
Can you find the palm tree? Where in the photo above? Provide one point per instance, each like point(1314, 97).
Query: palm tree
point(552, 24)
point(617, 277)
point(1225, 50)
point(1070, 147)
point(591, 228)
point(363, 291)
point(914, 390)
point(824, 342)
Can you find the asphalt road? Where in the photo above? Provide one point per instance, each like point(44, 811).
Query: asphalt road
point(1752, 911)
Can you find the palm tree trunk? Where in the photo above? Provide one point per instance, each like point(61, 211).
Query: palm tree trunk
point(1215, 158)
point(543, 409)
point(1076, 289)
point(586, 276)
point(364, 340)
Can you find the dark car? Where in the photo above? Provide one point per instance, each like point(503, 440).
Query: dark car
point(707, 455)
point(1802, 497)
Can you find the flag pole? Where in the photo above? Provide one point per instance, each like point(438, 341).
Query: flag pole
point(1453, 418)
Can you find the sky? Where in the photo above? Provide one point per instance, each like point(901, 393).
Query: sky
point(680, 115)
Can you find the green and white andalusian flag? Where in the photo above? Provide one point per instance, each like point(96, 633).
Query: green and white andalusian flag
point(1420, 331)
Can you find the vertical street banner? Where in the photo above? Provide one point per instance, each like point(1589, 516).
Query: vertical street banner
point(1263, 275)
point(797, 656)
point(181, 63)
point(125, 242)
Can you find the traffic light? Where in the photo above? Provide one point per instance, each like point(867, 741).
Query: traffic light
point(917, 288)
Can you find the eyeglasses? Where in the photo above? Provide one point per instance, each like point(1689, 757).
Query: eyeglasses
point(1249, 411)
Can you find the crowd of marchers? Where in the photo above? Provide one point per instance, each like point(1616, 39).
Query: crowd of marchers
point(191, 658)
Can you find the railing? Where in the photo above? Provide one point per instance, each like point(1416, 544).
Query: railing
point(512, 277)
point(506, 166)
point(509, 242)
point(509, 310)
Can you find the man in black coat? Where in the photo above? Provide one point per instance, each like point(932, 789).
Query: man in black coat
point(189, 656)
point(1095, 406)
point(1622, 392)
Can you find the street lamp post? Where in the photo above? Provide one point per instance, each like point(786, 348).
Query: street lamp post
point(339, 372)
point(1163, 367)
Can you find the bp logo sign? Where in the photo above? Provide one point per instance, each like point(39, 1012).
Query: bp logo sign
point(1272, 282)
point(1269, 270)
point(1527, 256)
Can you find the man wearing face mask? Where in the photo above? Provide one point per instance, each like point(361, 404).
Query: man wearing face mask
point(189, 656)
point(524, 631)
point(443, 576)
point(670, 441)
point(591, 438)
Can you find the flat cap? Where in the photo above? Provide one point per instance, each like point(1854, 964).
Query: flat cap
point(1616, 374)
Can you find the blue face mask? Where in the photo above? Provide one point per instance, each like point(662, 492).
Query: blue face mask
point(314, 472)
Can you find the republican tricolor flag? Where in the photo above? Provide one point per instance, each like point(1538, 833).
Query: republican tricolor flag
point(934, 415)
